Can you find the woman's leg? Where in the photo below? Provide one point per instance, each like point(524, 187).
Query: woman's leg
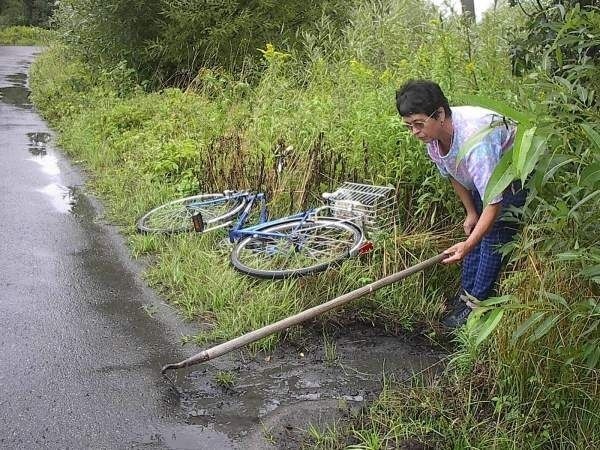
point(490, 259)
point(470, 264)
point(482, 265)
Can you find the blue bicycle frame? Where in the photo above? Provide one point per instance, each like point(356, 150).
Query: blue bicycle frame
point(238, 231)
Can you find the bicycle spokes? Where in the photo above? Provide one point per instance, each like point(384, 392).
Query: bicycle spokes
point(293, 249)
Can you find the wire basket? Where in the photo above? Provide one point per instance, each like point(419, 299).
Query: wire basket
point(371, 207)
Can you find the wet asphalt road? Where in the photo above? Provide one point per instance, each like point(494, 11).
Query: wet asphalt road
point(79, 355)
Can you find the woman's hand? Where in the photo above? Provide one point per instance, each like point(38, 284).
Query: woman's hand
point(457, 252)
point(470, 222)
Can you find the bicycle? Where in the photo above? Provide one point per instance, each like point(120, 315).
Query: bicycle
point(296, 245)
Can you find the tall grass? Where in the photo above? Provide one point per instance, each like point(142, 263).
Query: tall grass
point(21, 35)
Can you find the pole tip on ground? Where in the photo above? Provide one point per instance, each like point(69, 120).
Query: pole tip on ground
point(167, 368)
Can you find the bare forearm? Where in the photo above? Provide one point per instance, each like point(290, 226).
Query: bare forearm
point(484, 224)
point(465, 196)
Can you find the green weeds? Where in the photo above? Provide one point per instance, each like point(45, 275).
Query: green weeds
point(225, 379)
point(330, 350)
point(21, 35)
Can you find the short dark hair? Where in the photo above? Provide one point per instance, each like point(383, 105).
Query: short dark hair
point(421, 97)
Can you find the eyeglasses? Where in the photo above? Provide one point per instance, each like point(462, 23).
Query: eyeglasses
point(418, 125)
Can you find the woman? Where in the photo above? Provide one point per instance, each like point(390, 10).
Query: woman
point(427, 114)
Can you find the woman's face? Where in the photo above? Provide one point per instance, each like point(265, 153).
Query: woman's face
point(424, 127)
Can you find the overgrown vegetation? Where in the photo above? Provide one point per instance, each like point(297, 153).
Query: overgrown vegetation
point(21, 35)
point(324, 111)
point(25, 22)
point(34, 13)
point(168, 41)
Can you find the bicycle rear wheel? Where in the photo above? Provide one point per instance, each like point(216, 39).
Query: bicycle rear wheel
point(176, 216)
point(300, 247)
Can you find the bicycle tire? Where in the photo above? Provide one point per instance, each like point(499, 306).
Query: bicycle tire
point(176, 216)
point(251, 254)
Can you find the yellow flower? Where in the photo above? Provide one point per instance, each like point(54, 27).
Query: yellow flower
point(360, 69)
point(386, 76)
point(270, 54)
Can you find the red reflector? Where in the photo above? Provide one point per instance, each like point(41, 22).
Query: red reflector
point(365, 248)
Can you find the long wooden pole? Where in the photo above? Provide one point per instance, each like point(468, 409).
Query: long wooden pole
point(248, 338)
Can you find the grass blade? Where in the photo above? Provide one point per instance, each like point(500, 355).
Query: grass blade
point(500, 107)
point(522, 329)
point(592, 134)
point(501, 177)
point(489, 325)
point(543, 329)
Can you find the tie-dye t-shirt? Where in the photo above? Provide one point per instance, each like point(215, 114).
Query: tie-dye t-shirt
point(475, 169)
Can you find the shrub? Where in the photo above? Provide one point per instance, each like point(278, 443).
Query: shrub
point(22, 35)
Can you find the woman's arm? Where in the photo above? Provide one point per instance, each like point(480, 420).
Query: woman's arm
point(485, 223)
point(465, 197)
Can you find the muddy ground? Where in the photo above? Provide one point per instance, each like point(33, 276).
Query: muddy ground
point(326, 376)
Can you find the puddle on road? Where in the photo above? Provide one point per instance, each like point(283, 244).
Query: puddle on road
point(18, 79)
point(38, 142)
point(283, 394)
point(186, 437)
point(16, 96)
point(48, 163)
point(62, 197)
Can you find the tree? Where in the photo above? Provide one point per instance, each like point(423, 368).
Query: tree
point(468, 8)
point(168, 41)
point(12, 12)
point(25, 12)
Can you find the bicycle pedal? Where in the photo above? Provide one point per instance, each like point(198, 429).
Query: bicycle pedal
point(366, 247)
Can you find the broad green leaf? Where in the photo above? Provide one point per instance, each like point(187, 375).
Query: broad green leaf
point(490, 324)
point(473, 141)
point(521, 150)
point(557, 298)
point(501, 108)
point(559, 56)
point(583, 93)
point(532, 320)
point(584, 200)
point(516, 148)
point(501, 177)
point(548, 166)
point(544, 328)
point(591, 271)
point(538, 148)
point(496, 300)
point(592, 134)
point(569, 256)
point(590, 175)
point(554, 164)
point(564, 82)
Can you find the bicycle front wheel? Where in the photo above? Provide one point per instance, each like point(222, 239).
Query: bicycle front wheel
point(176, 216)
point(297, 247)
